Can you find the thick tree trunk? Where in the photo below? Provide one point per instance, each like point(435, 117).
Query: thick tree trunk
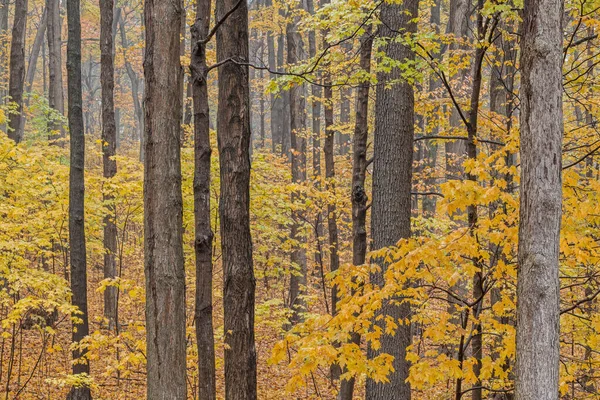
point(392, 179)
point(163, 231)
point(233, 127)
point(295, 49)
point(17, 71)
point(538, 286)
point(76, 197)
point(55, 78)
point(203, 316)
point(109, 150)
point(359, 172)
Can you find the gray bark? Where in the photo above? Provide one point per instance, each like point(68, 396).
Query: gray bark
point(538, 285)
point(17, 71)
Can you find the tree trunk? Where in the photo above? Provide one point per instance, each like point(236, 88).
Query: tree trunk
point(109, 150)
point(163, 231)
point(4, 8)
point(203, 316)
point(359, 171)
point(35, 53)
point(538, 286)
point(285, 98)
point(76, 198)
point(55, 78)
point(276, 100)
point(17, 71)
point(295, 49)
point(233, 127)
point(392, 179)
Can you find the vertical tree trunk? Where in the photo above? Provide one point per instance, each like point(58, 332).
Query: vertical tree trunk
point(233, 127)
point(328, 150)
point(4, 8)
point(295, 49)
point(359, 171)
point(17, 70)
point(76, 197)
point(109, 150)
point(203, 316)
point(538, 286)
point(392, 179)
point(163, 231)
point(55, 78)
point(276, 100)
point(345, 95)
point(36, 48)
point(285, 97)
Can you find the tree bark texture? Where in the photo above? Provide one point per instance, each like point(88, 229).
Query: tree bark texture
point(55, 78)
point(233, 128)
point(538, 286)
point(392, 180)
point(17, 71)
point(163, 245)
point(109, 151)
point(204, 236)
point(76, 197)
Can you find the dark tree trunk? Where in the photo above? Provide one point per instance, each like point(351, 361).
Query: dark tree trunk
point(328, 150)
point(392, 179)
point(359, 171)
point(538, 285)
point(109, 150)
point(203, 316)
point(295, 49)
point(163, 231)
point(17, 71)
point(233, 127)
point(55, 78)
point(76, 197)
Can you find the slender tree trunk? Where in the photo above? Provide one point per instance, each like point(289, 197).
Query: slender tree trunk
point(392, 180)
point(163, 231)
point(76, 198)
point(35, 53)
point(17, 71)
point(55, 78)
point(276, 100)
point(328, 150)
point(359, 172)
point(285, 98)
point(203, 316)
point(538, 286)
point(233, 127)
point(109, 150)
point(4, 8)
point(345, 95)
point(295, 49)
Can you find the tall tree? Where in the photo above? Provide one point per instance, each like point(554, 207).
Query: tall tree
point(203, 316)
point(359, 172)
point(163, 216)
point(295, 50)
point(17, 70)
point(76, 198)
point(538, 285)
point(233, 128)
point(392, 179)
point(109, 150)
point(55, 78)
point(4, 8)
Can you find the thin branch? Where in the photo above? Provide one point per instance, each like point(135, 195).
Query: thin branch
point(215, 28)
